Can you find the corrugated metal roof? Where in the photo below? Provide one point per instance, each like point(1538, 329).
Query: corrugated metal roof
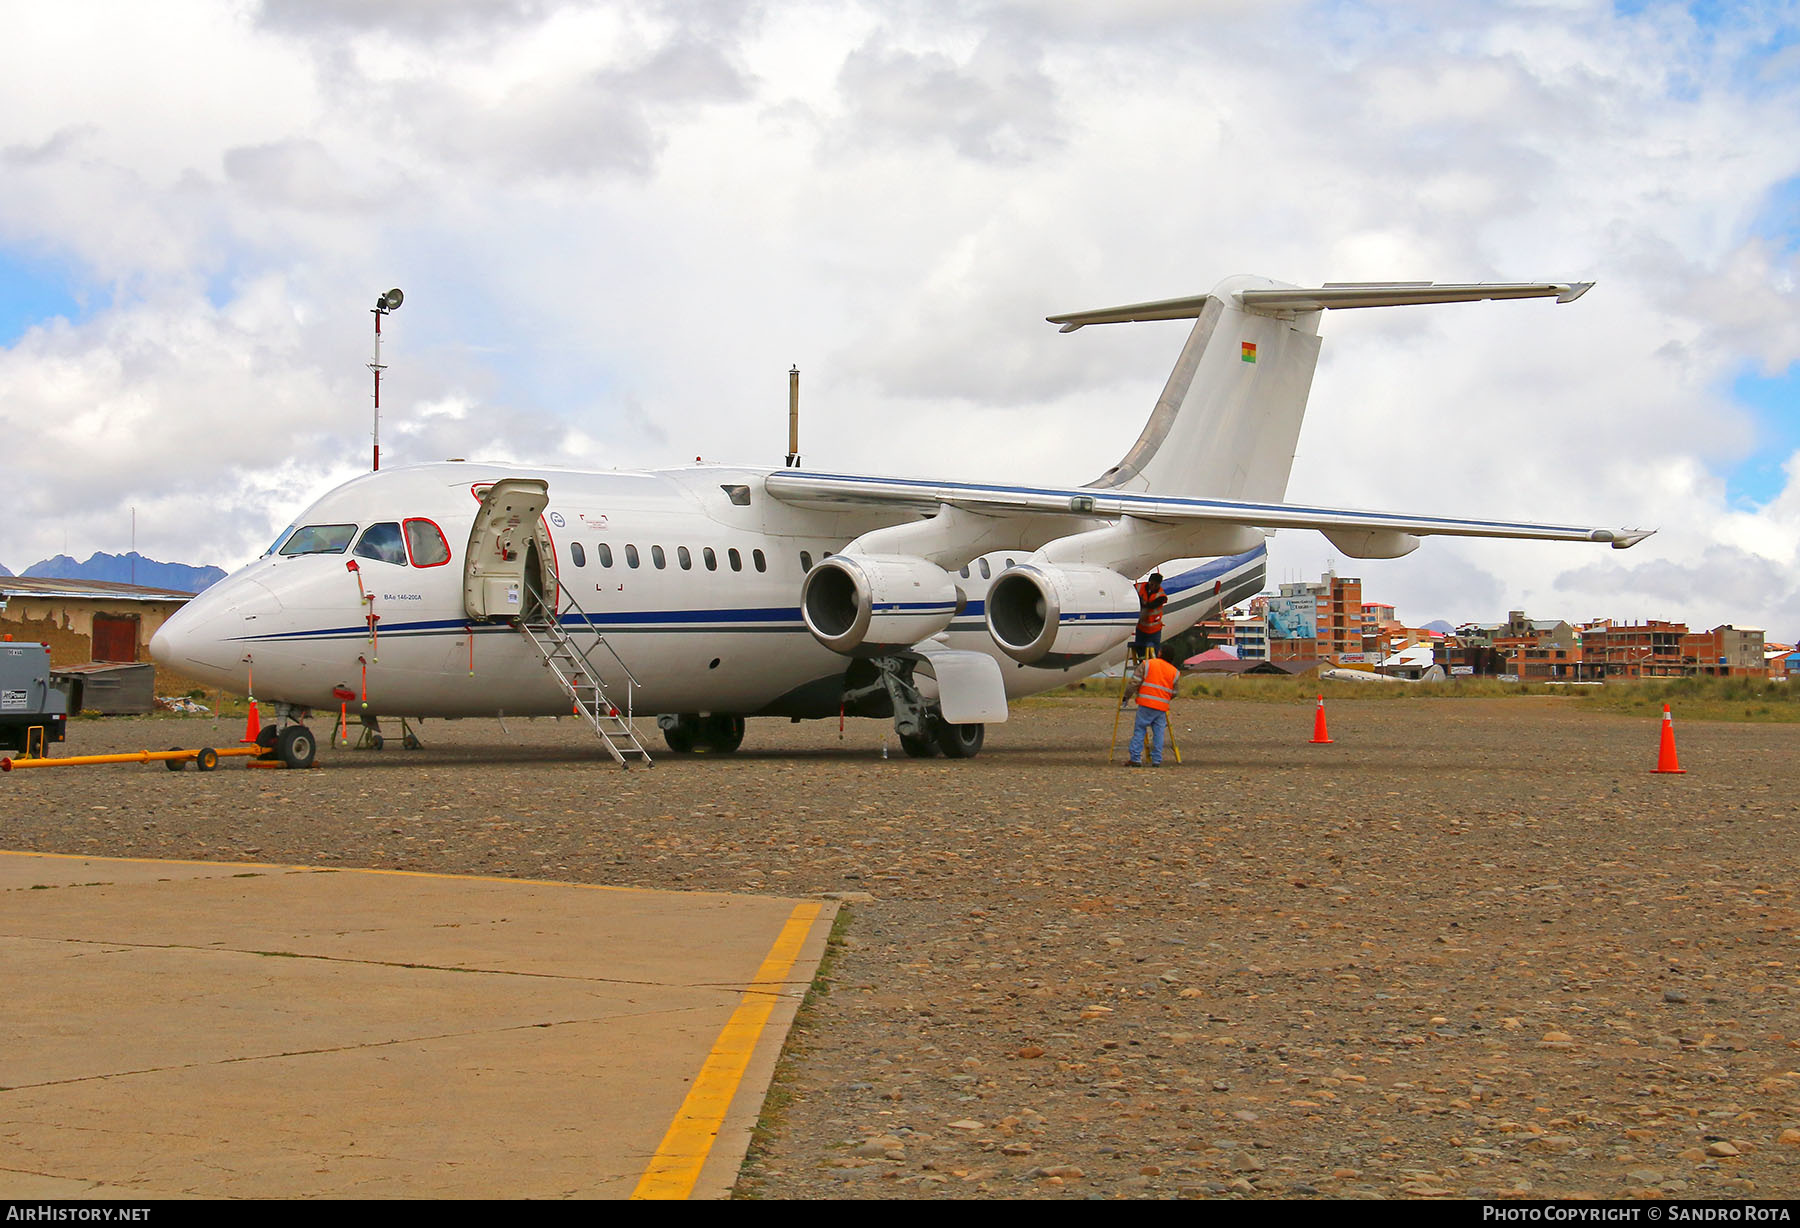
point(37, 586)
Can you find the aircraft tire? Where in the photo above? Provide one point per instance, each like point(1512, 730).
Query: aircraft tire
point(296, 746)
point(960, 741)
point(923, 747)
point(721, 733)
point(679, 737)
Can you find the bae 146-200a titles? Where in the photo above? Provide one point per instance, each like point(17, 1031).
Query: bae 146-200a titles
point(706, 595)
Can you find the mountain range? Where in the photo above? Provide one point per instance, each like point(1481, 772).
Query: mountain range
point(132, 568)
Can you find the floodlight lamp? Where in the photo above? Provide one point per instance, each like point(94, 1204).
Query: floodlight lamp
point(389, 301)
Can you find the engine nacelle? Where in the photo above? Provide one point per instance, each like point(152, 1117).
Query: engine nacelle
point(1042, 614)
point(868, 604)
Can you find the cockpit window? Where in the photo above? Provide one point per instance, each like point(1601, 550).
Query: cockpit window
point(319, 539)
point(425, 542)
point(382, 543)
point(281, 541)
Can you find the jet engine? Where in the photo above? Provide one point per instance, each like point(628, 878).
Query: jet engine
point(869, 604)
point(1042, 614)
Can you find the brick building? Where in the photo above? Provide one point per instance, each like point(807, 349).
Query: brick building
point(1651, 649)
point(1725, 652)
point(85, 620)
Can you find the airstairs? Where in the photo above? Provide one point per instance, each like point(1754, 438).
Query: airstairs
point(574, 670)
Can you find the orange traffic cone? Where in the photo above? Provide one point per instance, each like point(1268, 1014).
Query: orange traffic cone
point(1665, 754)
point(252, 723)
point(1319, 734)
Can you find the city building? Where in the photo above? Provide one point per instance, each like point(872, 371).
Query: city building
point(1322, 621)
point(1649, 649)
point(1725, 652)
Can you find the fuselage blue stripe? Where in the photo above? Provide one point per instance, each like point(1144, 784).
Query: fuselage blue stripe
point(757, 618)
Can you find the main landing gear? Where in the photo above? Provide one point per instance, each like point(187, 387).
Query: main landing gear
point(689, 733)
point(953, 741)
point(921, 725)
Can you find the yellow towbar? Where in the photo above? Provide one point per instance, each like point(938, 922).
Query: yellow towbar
point(205, 758)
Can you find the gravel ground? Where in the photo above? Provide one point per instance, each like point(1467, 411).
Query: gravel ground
point(1474, 948)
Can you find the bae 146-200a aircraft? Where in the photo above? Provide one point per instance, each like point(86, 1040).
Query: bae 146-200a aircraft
point(707, 595)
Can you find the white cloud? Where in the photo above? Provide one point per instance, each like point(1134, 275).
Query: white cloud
point(618, 224)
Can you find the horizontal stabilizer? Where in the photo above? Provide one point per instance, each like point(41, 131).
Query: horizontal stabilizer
point(1405, 293)
point(1336, 295)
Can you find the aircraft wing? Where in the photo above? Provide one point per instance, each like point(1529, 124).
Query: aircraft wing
point(828, 490)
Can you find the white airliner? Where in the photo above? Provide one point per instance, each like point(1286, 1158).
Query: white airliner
point(706, 595)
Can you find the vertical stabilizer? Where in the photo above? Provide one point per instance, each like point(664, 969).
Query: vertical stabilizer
point(1229, 417)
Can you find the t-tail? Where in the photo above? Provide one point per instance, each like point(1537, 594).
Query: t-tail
point(1228, 419)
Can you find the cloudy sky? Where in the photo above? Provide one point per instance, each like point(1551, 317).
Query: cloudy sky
point(618, 224)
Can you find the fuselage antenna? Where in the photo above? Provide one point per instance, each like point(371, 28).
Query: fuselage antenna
point(793, 454)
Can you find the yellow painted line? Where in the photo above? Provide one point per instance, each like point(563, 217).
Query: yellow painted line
point(676, 1166)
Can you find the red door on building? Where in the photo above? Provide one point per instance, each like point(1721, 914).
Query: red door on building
point(115, 637)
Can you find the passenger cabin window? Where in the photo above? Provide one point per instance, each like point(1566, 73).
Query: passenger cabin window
point(986, 571)
point(605, 553)
point(382, 543)
point(965, 571)
point(684, 558)
point(658, 558)
point(319, 539)
point(805, 561)
point(712, 560)
point(762, 564)
point(737, 560)
point(425, 543)
point(578, 554)
point(631, 556)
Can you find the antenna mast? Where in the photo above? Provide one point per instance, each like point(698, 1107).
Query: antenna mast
point(385, 303)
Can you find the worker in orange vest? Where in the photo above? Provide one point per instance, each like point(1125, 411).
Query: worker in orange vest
point(1154, 687)
point(1151, 600)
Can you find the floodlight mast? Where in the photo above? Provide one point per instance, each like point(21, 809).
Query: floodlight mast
point(383, 304)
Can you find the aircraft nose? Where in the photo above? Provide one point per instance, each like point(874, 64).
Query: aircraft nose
point(202, 637)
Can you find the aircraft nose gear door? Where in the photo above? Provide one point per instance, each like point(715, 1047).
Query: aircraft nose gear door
point(510, 567)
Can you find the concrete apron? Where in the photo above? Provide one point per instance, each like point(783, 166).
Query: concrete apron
point(208, 1030)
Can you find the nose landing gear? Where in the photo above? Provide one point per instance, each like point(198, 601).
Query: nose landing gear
point(287, 739)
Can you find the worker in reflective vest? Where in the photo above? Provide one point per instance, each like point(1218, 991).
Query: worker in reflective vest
point(1155, 688)
point(1151, 600)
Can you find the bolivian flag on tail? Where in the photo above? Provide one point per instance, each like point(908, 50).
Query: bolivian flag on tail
point(1249, 351)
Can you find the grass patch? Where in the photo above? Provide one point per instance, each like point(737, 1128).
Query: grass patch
point(1706, 699)
point(781, 1089)
point(1702, 699)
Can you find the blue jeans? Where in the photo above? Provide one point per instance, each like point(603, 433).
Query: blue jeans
point(1153, 721)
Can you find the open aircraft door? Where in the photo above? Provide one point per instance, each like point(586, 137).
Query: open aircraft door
point(510, 569)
